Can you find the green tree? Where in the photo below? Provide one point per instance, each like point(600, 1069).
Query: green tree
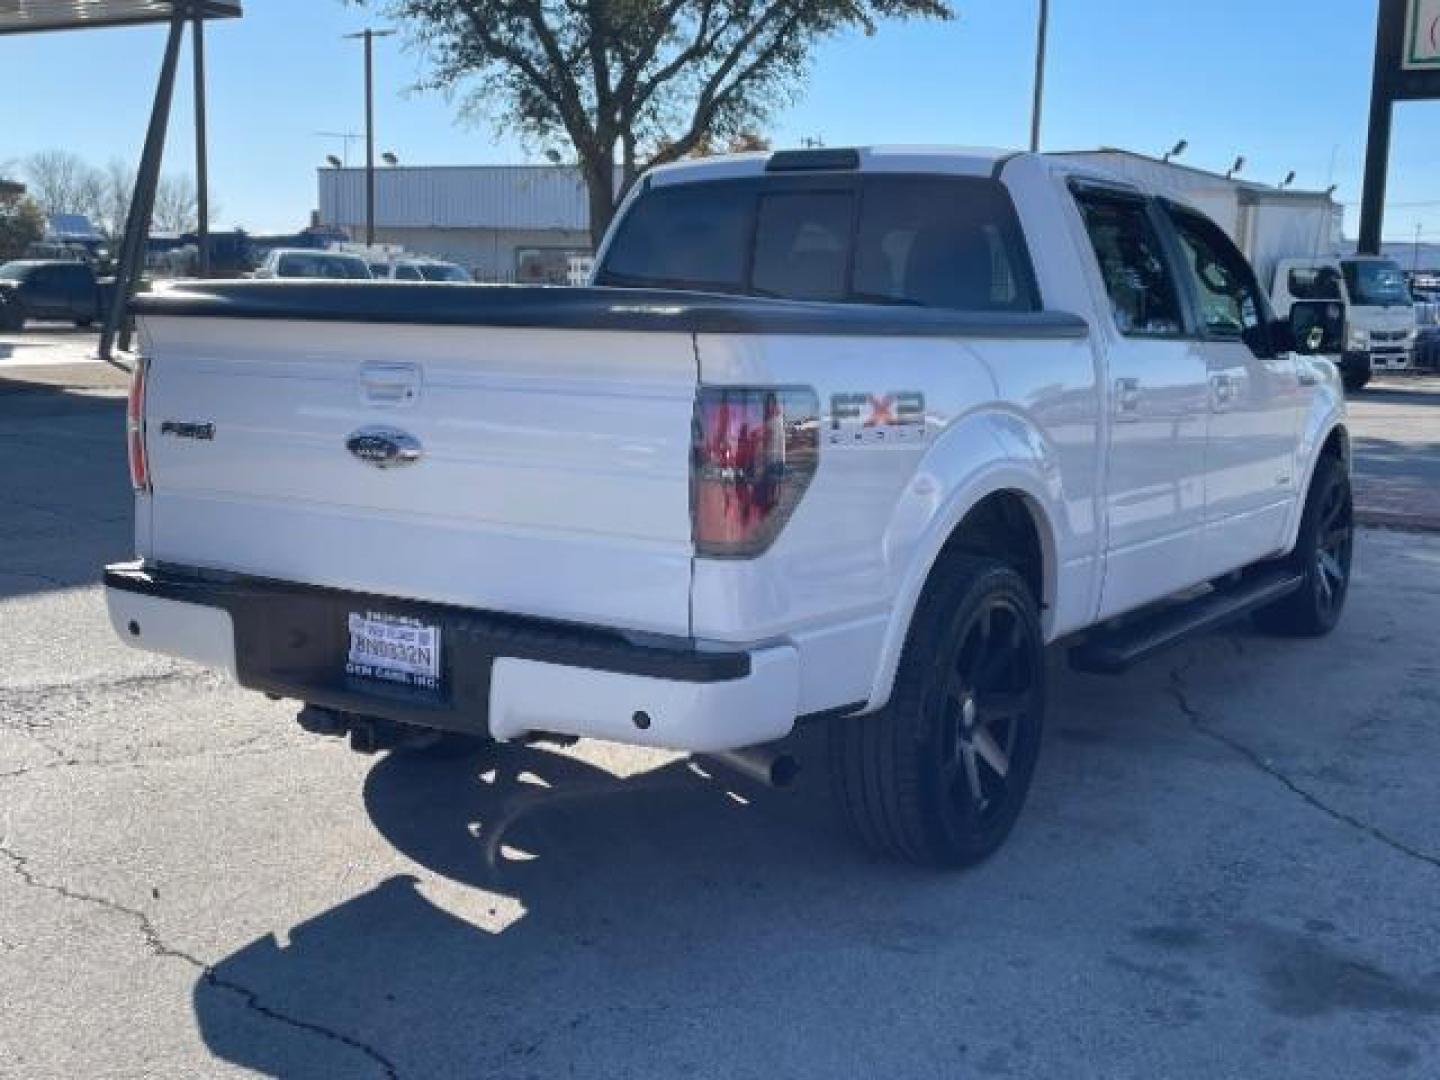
point(630, 82)
point(22, 223)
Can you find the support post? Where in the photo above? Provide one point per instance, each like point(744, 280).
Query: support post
point(142, 202)
point(202, 149)
point(369, 138)
point(1389, 41)
point(1038, 108)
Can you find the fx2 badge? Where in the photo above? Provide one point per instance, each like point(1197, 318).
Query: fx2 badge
point(867, 419)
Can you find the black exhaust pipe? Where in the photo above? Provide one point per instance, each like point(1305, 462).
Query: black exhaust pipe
point(321, 721)
point(764, 765)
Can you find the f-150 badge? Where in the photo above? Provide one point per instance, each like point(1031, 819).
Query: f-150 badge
point(897, 416)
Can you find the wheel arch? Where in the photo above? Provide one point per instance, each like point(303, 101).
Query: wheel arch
point(1005, 516)
point(1328, 439)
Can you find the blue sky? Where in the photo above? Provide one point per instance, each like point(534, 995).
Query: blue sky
point(1284, 82)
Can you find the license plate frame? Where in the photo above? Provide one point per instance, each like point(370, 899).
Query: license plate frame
point(394, 650)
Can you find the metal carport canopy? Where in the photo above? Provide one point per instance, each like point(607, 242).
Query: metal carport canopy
point(29, 16)
point(36, 16)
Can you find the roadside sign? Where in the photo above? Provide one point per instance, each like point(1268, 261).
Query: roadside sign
point(1407, 68)
point(1422, 36)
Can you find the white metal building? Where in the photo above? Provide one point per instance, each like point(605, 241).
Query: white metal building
point(502, 222)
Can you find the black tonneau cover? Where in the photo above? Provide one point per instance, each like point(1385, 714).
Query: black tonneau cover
point(556, 308)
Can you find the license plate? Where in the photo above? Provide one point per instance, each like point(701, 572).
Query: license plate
point(394, 649)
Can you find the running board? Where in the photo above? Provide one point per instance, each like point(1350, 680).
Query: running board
point(1111, 651)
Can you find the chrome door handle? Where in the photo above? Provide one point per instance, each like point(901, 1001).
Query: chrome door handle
point(1127, 395)
point(1307, 377)
point(1224, 389)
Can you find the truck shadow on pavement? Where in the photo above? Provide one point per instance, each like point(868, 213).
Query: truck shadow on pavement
point(639, 899)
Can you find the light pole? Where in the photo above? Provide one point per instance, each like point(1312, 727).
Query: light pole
point(368, 36)
point(345, 137)
point(1042, 33)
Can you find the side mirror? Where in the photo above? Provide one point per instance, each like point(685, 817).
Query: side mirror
point(1316, 327)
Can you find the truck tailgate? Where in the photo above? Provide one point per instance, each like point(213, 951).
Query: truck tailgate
point(552, 475)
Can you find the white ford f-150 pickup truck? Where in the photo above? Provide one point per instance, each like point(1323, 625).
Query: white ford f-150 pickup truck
point(838, 436)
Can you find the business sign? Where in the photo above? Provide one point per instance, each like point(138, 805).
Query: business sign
point(1422, 36)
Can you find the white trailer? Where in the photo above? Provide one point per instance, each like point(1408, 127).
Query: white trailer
point(1269, 223)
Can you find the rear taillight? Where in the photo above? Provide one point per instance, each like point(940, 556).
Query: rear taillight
point(135, 428)
point(755, 452)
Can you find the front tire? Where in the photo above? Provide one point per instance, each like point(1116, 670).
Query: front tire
point(939, 776)
point(1355, 373)
point(1323, 552)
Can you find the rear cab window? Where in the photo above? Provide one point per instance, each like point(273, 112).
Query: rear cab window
point(923, 241)
point(335, 267)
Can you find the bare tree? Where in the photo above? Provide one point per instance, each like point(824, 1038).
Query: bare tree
point(64, 183)
point(630, 82)
point(177, 206)
point(115, 207)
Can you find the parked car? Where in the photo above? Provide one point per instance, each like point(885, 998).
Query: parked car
point(844, 438)
point(45, 290)
point(313, 265)
point(419, 270)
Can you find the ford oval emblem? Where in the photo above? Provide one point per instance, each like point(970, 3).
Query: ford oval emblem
point(384, 447)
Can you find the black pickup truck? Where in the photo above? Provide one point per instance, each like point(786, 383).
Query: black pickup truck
point(52, 291)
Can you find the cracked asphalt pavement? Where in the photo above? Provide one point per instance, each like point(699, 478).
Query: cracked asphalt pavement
point(1229, 866)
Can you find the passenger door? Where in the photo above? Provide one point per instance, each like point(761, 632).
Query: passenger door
point(1159, 401)
point(75, 293)
point(42, 293)
point(1250, 481)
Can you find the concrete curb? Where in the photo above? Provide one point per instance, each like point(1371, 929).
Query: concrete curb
point(1394, 519)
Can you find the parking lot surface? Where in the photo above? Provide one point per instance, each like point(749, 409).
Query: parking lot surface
point(1228, 868)
point(1395, 424)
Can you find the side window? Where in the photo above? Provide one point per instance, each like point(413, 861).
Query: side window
point(1228, 299)
point(942, 242)
point(1314, 283)
point(802, 245)
point(408, 273)
point(1141, 287)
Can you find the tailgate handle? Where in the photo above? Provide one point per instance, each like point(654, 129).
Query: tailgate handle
point(389, 384)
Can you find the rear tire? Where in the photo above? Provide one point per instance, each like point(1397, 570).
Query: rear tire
point(939, 776)
point(1323, 552)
